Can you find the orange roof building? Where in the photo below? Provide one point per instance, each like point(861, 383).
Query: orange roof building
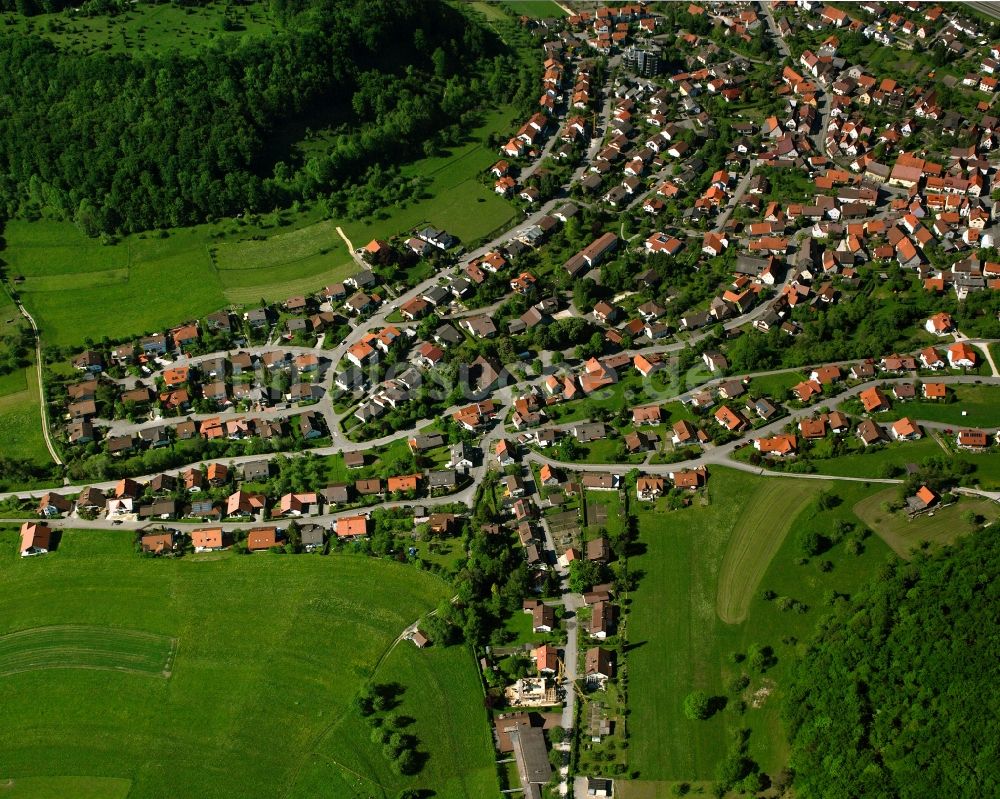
point(351, 526)
point(206, 538)
point(873, 400)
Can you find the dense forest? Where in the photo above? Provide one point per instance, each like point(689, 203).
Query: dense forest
point(895, 695)
point(124, 143)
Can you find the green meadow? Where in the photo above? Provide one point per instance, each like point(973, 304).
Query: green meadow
point(974, 406)
point(702, 572)
point(222, 675)
point(79, 288)
point(943, 526)
point(157, 28)
point(20, 411)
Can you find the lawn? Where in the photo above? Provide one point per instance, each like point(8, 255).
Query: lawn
point(979, 404)
point(873, 462)
point(755, 539)
point(775, 386)
point(904, 534)
point(148, 28)
point(539, 9)
point(270, 651)
point(20, 417)
point(61, 787)
point(691, 564)
point(604, 509)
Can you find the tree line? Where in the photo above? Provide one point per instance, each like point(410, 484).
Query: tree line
point(894, 697)
point(121, 143)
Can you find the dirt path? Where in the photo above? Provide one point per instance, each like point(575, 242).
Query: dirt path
point(38, 376)
point(350, 247)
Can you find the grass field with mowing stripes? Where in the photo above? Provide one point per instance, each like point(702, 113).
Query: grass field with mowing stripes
point(63, 787)
point(271, 651)
point(71, 646)
point(755, 540)
point(691, 561)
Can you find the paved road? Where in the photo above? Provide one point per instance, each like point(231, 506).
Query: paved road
point(772, 25)
point(721, 455)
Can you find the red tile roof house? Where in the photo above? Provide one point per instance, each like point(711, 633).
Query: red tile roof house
point(962, 355)
point(733, 421)
point(649, 487)
point(648, 414)
point(36, 539)
point(941, 324)
point(905, 430)
point(973, 439)
point(207, 539)
point(931, 359)
point(924, 498)
point(807, 389)
point(52, 504)
point(351, 527)
point(873, 400)
point(241, 503)
point(260, 539)
point(691, 479)
point(780, 445)
point(298, 504)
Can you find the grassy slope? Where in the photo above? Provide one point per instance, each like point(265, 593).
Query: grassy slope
point(870, 463)
point(903, 534)
point(151, 28)
point(271, 650)
point(679, 643)
point(20, 413)
point(71, 282)
point(979, 403)
point(755, 539)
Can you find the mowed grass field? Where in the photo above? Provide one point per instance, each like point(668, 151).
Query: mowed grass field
point(904, 534)
point(539, 9)
point(980, 404)
point(151, 28)
point(77, 288)
point(76, 646)
point(755, 539)
point(20, 419)
point(695, 562)
point(20, 411)
point(295, 262)
point(270, 651)
point(62, 787)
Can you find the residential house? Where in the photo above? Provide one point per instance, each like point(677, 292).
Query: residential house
point(207, 539)
point(905, 430)
point(598, 667)
point(870, 433)
point(874, 400)
point(36, 539)
point(260, 539)
point(351, 526)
